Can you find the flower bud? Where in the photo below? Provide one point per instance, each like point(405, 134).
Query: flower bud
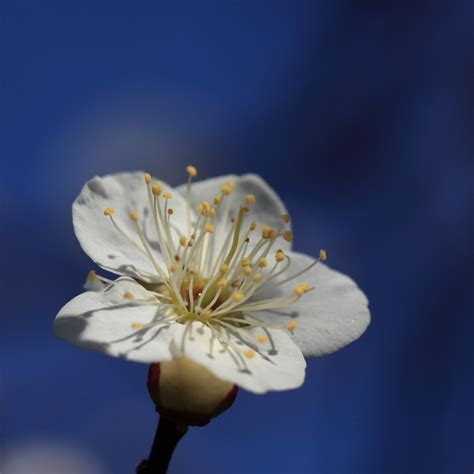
point(188, 393)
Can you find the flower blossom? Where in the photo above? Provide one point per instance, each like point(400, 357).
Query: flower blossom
point(206, 271)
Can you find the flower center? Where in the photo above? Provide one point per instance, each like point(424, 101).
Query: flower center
point(213, 274)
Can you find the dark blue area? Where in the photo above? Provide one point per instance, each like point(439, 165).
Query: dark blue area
point(360, 115)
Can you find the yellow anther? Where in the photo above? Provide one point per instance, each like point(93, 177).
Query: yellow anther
point(191, 170)
point(222, 283)
point(170, 211)
point(231, 183)
point(257, 277)
point(217, 199)
point(253, 225)
point(173, 268)
point(262, 262)
point(267, 232)
point(249, 353)
point(128, 296)
point(211, 212)
point(209, 228)
point(301, 289)
point(247, 270)
point(280, 256)
point(147, 178)
point(182, 241)
point(91, 276)
point(203, 208)
point(291, 325)
point(157, 188)
point(323, 255)
point(262, 339)
point(285, 218)
point(226, 189)
point(288, 236)
point(108, 211)
point(224, 268)
point(245, 262)
point(250, 199)
point(136, 325)
point(133, 215)
point(238, 296)
point(167, 195)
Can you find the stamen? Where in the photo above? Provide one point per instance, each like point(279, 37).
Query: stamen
point(288, 236)
point(301, 289)
point(247, 271)
point(108, 211)
point(213, 285)
point(238, 296)
point(268, 233)
point(250, 199)
point(226, 189)
point(238, 225)
point(291, 325)
point(91, 276)
point(249, 353)
point(134, 218)
point(191, 170)
point(280, 256)
point(157, 189)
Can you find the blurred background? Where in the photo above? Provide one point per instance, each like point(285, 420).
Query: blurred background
point(358, 113)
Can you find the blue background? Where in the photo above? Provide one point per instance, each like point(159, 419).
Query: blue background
point(359, 114)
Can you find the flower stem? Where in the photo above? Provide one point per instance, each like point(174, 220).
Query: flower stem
point(166, 438)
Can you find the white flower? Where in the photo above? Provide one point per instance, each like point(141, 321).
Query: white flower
point(206, 272)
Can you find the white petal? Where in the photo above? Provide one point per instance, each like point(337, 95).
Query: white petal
point(277, 365)
point(124, 192)
point(267, 208)
point(102, 321)
point(328, 318)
